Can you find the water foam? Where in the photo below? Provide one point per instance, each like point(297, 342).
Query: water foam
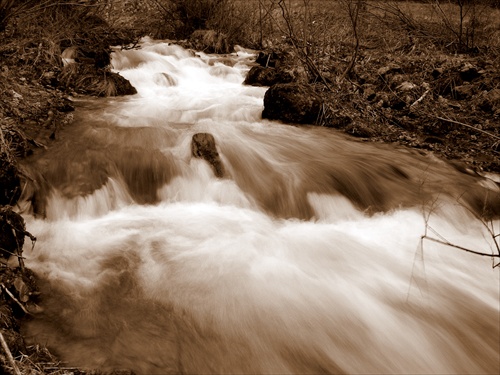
point(306, 258)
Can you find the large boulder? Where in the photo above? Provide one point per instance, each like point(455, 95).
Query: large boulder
point(203, 147)
point(86, 70)
point(293, 103)
point(274, 68)
point(268, 59)
point(88, 79)
point(99, 56)
point(261, 76)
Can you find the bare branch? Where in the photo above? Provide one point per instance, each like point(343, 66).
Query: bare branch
point(6, 349)
point(14, 299)
point(468, 126)
point(460, 247)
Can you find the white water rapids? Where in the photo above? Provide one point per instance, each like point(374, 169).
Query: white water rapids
point(304, 258)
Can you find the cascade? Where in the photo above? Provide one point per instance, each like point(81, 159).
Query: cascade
point(303, 255)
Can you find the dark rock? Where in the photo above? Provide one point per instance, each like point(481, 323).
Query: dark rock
point(436, 73)
point(89, 80)
point(98, 56)
point(389, 69)
point(10, 184)
point(49, 79)
point(437, 128)
point(293, 103)
point(433, 139)
point(121, 85)
point(203, 147)
point(358, 129)
point(490, 101)
point(268, 59)
point(12, 232)
point(260, 76)
point(469, 72)
point(144, 173)
point(463, 92)
point(369, 92)
point(65, 106)
point(164, 79)
point(396, 80)
point(338, 121)
point(395, 102)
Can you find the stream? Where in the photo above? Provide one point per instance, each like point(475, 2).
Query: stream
point(304, 257)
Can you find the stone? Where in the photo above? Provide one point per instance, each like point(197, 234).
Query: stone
point(469, 72)
point(292, 103)
point(358, 129)
point(164, 79)
point(406, 86)
point(369, 92)
point(122, 86)
point(12, 229)
point(463, 92)
point(87, 79)
point(203, 147)
point(337, 121)
point(268, 59)
point(490, 101)
point(10, 183)
point(261, 76)
point(389, 69)
point(437, 72)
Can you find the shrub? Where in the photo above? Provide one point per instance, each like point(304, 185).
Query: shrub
point(231, 20)
point(39, 30)
point(457, 25)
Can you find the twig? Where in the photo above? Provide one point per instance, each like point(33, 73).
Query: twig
point(420, 99)
point(11, 253)
point(302, 55)
point(459, 247)
point(9, 355)
point(420, 251)
point(353, 12)
point(14, 299)
point(468, 126)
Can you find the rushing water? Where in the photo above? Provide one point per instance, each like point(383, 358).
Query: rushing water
point(305, 258)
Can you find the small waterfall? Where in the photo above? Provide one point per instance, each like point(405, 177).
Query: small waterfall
point(304, 256)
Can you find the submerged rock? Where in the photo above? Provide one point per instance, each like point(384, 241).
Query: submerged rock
point(164, 79)
point(293, 103)
point(203, 147)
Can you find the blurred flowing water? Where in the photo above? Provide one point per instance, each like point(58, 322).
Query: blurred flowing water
point(304, 258)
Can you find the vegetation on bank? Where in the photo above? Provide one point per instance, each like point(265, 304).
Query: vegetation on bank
point(423, 74)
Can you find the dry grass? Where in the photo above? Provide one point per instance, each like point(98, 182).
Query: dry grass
point(324, 25)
